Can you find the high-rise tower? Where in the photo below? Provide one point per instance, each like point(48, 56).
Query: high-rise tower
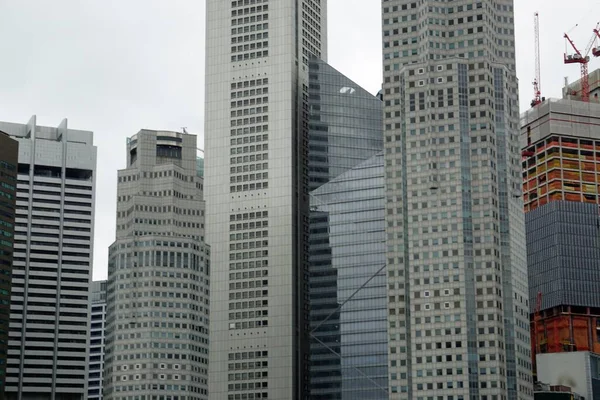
point(458, 300)
point(158, 269)
point(257, 55)
point(49, 317)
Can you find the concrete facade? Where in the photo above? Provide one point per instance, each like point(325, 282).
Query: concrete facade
point(158, 274)
point(48, 338)
point(256, 129)
point(455, 234)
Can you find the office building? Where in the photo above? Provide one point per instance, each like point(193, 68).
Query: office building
point(560, 139)
point(9, 157)
point(54, 226)
point(256, 171)
point(456, 258)
point(97, 336)
point(348, 294)
point(158, 274)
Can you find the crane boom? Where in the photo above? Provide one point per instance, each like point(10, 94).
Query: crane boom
point(583, 60)
point(596, 49)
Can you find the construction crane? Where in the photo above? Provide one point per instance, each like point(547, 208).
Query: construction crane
point(583, 59)
point(596, 49)
point(537, 82)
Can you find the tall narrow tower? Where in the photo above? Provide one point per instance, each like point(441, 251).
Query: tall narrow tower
point(257, 55)
point(456, 258)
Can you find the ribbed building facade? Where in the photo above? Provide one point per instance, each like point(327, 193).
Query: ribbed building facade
point(48, 336)
point(456, 257)
point(9, 158)
point(158, 274)
point(348, 294)
point(256, 127)
point(97, 339)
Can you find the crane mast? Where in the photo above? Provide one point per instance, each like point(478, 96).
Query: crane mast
point(537, 82)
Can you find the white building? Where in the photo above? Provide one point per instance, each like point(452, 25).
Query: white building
point(456, 259)
point(579, 370)
point(97, 339)
point(256, 129)
point(47, 349)
point(158, 275)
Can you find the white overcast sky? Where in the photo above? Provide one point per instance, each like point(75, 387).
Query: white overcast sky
point(116, 66)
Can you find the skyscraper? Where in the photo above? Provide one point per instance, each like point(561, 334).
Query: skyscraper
point(257, 56)
point(48, 338)
point(158, 274)
point(348, 292)
point(9, 157)
point(456, 259)
point(97, 340)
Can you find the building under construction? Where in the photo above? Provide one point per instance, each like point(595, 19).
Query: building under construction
point(561, 185)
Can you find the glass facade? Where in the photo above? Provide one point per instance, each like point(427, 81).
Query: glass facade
point(345, 123)
point(563, 254)
point(348, 286)
point(347, 253)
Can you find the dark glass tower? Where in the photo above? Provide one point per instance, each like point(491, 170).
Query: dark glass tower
point(9, 158)
point(347, 253)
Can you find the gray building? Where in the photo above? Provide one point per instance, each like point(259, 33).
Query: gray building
point(347, 254)
point(47, 348)
point(97, 339)
point(256, 171)
point(579, 370)
point(456, 258)
point(158, 274)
